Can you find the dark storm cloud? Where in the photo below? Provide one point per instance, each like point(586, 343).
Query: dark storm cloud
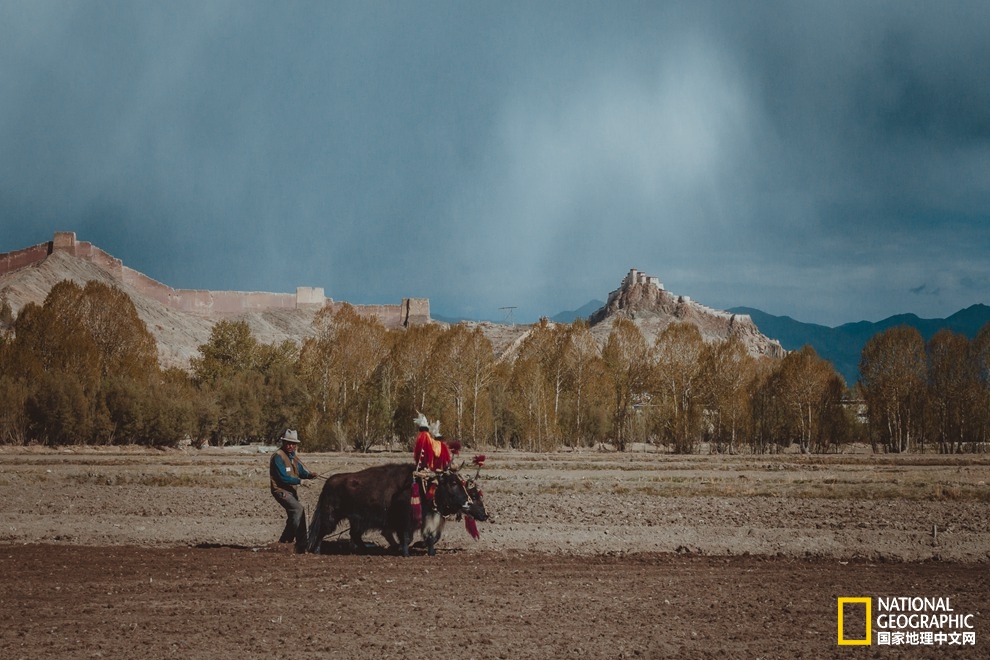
point(817, 160)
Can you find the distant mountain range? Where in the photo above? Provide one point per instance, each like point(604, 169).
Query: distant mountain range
point(583, 312)
point(28, 275)
point(843, 345)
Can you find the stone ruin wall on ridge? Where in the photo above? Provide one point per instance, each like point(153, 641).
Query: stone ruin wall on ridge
point(411, 311)
point(637, 277)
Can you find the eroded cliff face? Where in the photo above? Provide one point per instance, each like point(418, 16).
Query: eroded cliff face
point(180, 319)
point(179, 332)
point(644, 301)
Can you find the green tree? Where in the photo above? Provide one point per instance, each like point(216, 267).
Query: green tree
point(59, 411)
point(6, 316)
point(285, 397)
point(248, 391)
point(14, 422)
point(230, 408)
point(126, 402)
point(242, 408)
point(68, 351)
point(231, 349)
point(170, 414)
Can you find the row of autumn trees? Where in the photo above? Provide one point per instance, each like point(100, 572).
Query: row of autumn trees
point(83, 368)
point(927, 394)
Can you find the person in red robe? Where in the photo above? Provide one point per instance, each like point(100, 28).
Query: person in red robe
point(430, 456)
point(430, 451)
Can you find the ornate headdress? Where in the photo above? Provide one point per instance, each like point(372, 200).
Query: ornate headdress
point(421, 421)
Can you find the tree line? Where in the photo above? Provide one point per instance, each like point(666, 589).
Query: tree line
point(82, 368)
point(927, 394)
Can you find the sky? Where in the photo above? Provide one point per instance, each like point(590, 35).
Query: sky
point(828, 161)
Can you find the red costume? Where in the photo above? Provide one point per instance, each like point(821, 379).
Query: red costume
point(430, 454)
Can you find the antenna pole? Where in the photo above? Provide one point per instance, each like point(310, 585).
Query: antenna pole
point(507, 318)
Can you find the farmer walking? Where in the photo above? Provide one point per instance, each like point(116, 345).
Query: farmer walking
point(287, 472)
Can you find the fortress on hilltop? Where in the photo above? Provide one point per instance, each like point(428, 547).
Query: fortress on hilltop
point(643, 299)
point(411, 311)
point(636, 278)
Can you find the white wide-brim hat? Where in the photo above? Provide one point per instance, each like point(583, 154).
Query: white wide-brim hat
point(290, 436)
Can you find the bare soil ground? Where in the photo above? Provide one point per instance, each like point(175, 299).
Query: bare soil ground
point(128, 553)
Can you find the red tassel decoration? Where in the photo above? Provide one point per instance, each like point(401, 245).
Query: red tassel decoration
point(415, 506)
point(471, 527)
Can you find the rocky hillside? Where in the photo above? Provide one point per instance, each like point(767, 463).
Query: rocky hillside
point(178, 334)
point(643, 300)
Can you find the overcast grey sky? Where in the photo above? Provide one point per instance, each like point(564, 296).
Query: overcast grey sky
point(824, 160)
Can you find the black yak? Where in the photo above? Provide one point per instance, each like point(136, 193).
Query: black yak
point(379, 498)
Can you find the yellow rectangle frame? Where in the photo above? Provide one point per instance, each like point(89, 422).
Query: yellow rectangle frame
point(869, 622)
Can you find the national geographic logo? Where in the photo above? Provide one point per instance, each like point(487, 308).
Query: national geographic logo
point(903, 621)
point(868, 637)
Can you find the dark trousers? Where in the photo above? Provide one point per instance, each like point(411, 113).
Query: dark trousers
point(295, 521)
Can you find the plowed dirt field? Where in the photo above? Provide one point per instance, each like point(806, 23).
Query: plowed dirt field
point(132, 553)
